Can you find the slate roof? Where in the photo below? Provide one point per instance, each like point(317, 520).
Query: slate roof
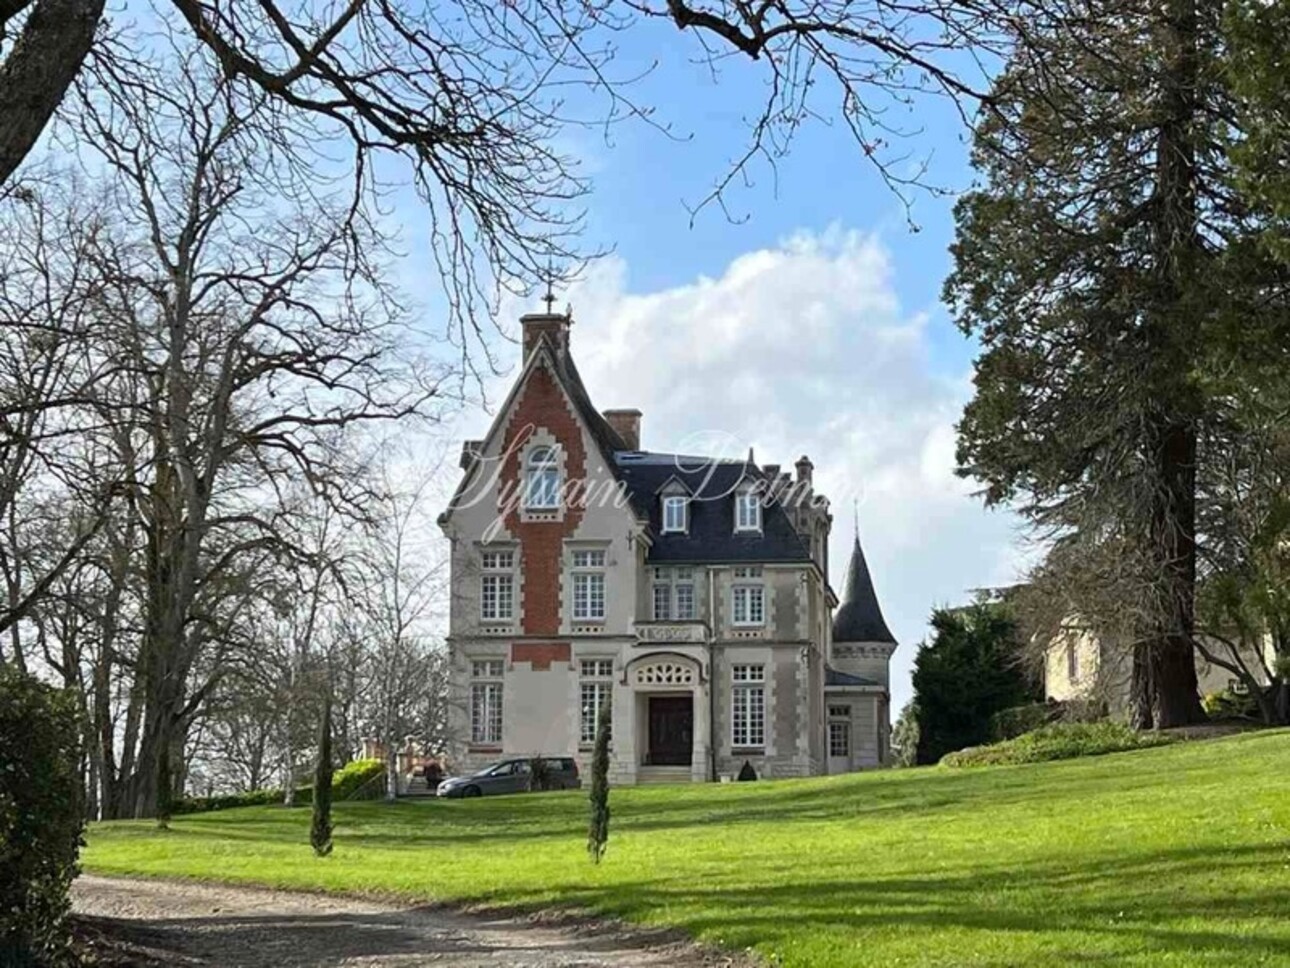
point(832, 677)
point(859, 619)
point(711, 536)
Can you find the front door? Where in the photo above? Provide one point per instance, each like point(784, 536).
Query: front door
point(671, 730)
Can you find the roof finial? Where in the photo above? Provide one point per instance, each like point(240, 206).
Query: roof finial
point(549, 298)
point(855, 518)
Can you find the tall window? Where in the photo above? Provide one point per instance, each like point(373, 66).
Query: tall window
point(839, 730)
point(542, 480)
point(674, 513)
point(588, 585)
point(1072, 662)
point(748, 706)
point(747, 511)
point(497, 586)
point(673, 594)
point(749, 597)
point(596, 686)
point(486, 701)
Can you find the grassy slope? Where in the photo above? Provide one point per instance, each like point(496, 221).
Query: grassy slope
point(1174, 856)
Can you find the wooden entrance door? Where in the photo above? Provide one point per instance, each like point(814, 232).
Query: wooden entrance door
point(671, 730)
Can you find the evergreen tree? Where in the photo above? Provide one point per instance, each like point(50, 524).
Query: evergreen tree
point(320, 828)
point(969, 671)
point(598, 832)
point(1094, 265)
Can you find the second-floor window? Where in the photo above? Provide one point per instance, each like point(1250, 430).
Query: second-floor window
point(749, 597)
point(674, 513)
point(588, 586)
point(673, 593)
point(497, 586)
point(542, 479)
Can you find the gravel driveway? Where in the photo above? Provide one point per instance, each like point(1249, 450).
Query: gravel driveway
point(177, 923)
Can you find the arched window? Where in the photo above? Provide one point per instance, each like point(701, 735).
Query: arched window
point(542, 480)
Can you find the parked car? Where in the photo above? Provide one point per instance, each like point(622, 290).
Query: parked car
point(515, 776)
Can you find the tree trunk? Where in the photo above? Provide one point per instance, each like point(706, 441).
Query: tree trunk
point(40, 68)
point(1173, 327)
point(1140, 711)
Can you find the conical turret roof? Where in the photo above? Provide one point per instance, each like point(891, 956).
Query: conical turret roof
point(859, 619)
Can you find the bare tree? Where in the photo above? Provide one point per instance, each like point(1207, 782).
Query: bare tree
point(252, 338)
point(405, 680)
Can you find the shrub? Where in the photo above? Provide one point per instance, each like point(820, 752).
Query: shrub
point(356, 780)
point(1057, 741)
point(1227, 704)
point(320, 829)
point(41, 818)
point(598, 827)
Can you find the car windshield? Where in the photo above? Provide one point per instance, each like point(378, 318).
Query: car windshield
point(496, 769)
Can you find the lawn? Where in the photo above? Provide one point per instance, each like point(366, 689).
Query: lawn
point(1170, 856)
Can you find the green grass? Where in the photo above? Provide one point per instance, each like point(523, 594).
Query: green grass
point(1171, 856)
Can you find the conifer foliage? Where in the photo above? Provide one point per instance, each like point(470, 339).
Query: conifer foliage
point(320, 829)
point(598, 832)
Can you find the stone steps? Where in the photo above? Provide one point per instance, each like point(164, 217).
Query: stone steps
point(663, 774)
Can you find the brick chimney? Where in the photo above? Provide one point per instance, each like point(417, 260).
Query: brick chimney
point(804, 469)
point(554, 325)
point(628, 425)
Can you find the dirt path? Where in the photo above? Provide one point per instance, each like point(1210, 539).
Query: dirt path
point(181, 924)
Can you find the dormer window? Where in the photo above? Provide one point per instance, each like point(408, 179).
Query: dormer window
point(675, 514)
point(542, 480)
point(747, 511)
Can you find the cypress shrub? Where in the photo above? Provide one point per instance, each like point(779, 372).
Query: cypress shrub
point(320, 829)
point(598, 832)
point(41, 819)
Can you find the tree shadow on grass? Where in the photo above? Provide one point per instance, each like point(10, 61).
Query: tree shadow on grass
point(1050, 913)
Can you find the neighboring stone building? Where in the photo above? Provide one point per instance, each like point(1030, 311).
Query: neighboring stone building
point(691, 592)
point(1080, 666)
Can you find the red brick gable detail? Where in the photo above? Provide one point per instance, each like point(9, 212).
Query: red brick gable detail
point(540, 655)
point(542, 405)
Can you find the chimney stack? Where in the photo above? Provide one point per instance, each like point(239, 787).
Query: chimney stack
point(555, 326)
point(804, 469)
point(627, 424)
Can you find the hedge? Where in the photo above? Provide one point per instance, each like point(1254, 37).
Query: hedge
point(1057, 741)
point(353, 781)
point(41, 818)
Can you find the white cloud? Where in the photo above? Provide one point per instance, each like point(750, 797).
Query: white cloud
point(805, 349)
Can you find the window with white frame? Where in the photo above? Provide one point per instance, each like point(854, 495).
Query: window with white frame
point(748, 706)
point(486, 700)
point(747, 511)
point(675, 513)
point(588, 586)
point(497, 586)
point(673, 592)
point(542, 479)
point(749, 604)
point(595, 689)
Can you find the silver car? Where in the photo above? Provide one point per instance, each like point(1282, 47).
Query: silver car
point(513, 776)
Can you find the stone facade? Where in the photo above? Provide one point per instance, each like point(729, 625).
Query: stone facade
point(710, 632)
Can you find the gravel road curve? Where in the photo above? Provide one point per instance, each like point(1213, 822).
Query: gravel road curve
point(183, 924)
